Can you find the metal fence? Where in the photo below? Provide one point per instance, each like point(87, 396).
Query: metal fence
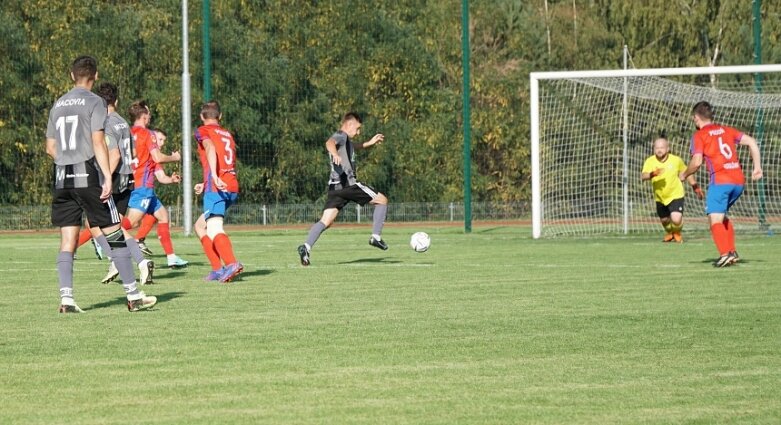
point(38, 216)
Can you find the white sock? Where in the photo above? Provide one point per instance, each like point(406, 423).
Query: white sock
point(376, 236)
point(308, 248)
point(171, 257)
point(67, 301)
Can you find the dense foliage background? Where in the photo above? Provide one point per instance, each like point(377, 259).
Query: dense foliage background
point(286, 70)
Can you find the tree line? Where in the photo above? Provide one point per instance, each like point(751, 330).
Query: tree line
point(284, 72)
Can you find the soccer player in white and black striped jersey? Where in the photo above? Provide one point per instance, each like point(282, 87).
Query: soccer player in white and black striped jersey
point(83, 183)
point(344, 187)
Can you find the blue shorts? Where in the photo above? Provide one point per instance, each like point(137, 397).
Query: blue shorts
point(720, 197)
point(216, 203)
point(144, 199)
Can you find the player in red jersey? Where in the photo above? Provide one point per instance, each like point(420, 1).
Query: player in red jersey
point(143, 199)
point(716, 145)
point(220, 187)
point(149, 220)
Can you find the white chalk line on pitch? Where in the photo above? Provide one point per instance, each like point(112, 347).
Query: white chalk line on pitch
point(608, 266)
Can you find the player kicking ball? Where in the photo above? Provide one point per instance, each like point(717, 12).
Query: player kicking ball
point(343, 186)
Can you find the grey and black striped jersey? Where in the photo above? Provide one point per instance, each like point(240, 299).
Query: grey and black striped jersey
point(118, 137)
point(72, 120)
point(344, 173)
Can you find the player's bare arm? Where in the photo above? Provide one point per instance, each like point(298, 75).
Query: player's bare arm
point(211, 158)
point(330, 146)
point(162, 158)
point(694, 165)
point(113, 158)
point(753, 148)
point(695, 187)
point(101, 156)
point(166, 179)
point(51, 148)
point(377, 139)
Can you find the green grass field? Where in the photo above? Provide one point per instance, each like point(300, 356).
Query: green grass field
point(490, 327)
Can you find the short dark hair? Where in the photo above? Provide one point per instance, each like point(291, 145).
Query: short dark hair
point(84, 67)
point(703, 110)
point(352, 116)
point(109, 92)
point(137, 108)
point(211, 110)
point(161, 131)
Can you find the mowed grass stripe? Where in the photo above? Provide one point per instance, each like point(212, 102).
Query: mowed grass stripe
point(490, 327)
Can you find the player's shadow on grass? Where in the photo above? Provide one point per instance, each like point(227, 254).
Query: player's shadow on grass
point(371, 260)
point(489, 229)
point(161, 298)
point(741, 261)
point(261, 272)
point(169, 273)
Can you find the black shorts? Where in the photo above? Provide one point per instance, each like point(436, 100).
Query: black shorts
point(121, 200)
point(69, 204)
point(676, 205)
point(359, 193)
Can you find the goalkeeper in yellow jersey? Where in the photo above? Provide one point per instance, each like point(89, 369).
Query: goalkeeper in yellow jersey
point(663, 168)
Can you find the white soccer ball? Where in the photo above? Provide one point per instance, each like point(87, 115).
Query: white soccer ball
point(420, 242)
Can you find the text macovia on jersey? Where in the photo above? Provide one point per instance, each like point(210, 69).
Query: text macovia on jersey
point(70, 102)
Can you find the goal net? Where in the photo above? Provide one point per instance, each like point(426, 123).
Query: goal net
point(593, 130)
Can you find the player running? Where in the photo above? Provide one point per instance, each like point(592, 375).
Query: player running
point(220, 187)
point(143, 199)
point(716, 144)
point(662, 168)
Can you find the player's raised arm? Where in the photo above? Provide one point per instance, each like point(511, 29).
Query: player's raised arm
point(377, 139)
point(162, 158)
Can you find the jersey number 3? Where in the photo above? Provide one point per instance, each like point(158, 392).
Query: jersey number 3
point(228, 151)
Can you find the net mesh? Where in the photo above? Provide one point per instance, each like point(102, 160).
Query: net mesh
point(582, 156)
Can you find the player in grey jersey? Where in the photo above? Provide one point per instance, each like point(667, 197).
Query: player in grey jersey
point(344, 187)
point(120, 157)
point(83, 183)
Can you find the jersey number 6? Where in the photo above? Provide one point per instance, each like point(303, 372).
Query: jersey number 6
point(725, 149)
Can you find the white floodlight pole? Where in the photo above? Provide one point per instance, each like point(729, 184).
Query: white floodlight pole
point(535, 77)
point(187, 208)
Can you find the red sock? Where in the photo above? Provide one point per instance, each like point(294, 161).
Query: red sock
point(165, 238)
point(211, 254)
point(146, 226)
point(126, 224)
point(84, 236)
point(720, 238)
point(224, 247)
point(730, 234)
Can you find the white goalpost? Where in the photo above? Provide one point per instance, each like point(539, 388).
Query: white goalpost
point(592, 130)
